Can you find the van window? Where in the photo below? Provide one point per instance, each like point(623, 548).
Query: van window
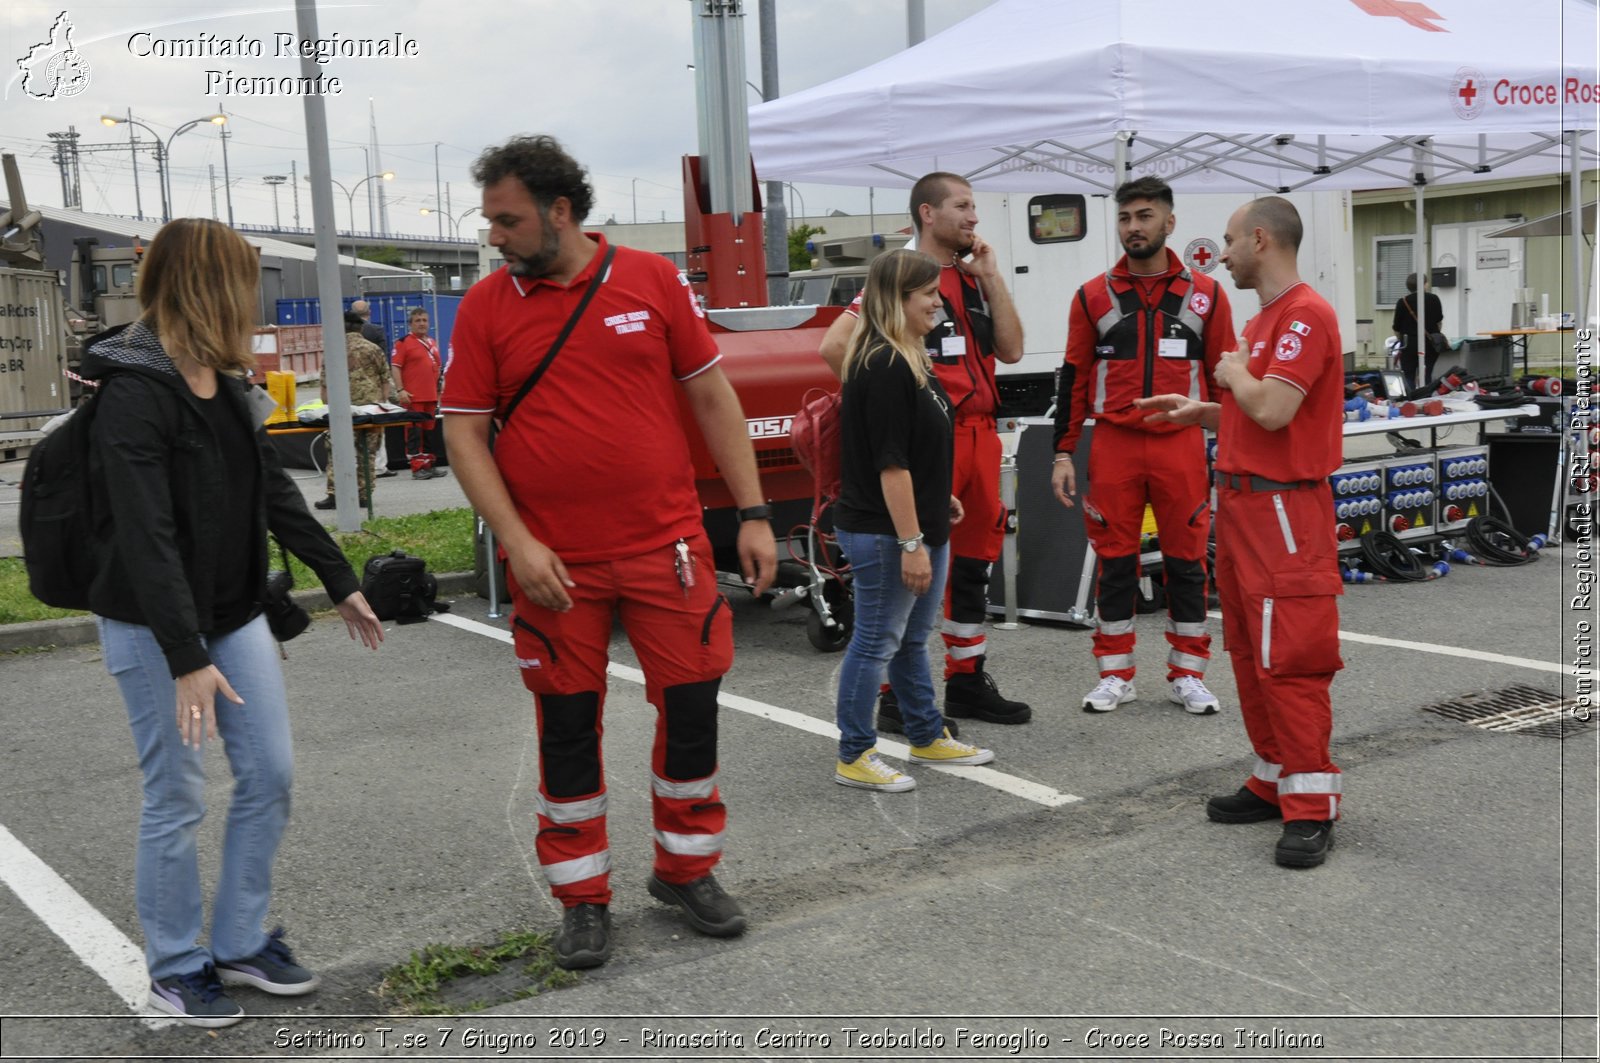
point(100, 280)
point(846, 288)
point(1056, 219)
point(122, 275)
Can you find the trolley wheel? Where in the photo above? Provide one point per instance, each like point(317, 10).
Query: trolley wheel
point(835, 638)
point(828, 640)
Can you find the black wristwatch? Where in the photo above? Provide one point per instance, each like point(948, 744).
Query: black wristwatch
point(761, 512)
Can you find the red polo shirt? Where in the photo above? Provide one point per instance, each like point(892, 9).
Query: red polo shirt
point(595, 457)
point(418, 362)
point(1295, 339)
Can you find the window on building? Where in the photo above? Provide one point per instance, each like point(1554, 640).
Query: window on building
point(1393, 258)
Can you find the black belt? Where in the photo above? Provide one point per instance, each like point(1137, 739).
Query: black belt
point(1261, 483)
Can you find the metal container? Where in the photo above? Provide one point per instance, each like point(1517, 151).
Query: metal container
point(32, 351)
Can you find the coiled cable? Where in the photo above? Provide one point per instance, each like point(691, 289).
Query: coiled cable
point(1389, 558)
point(1498, 543)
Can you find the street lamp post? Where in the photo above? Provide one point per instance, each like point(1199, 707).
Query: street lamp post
point(425, 211)
point(275, 180)
point(350, 200)
point(164, 151)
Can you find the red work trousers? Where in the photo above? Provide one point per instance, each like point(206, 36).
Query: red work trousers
point(1278, 575)
point(417, 452)
point(683, 638)
point(1128, 469)
point(974, 543)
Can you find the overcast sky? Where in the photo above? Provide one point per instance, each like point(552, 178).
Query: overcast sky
point(610, 79)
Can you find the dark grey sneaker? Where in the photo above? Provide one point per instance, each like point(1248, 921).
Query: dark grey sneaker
point(891, 722)
point(975, 694)
point(585, 938)
point(272, 970)
point(1305, 842)
point(1242, 807)
point(705, 903)
point(195, 999)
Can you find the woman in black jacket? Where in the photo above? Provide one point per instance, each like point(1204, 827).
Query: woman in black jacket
point(187, 487)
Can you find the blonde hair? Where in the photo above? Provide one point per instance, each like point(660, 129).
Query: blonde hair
point(199, 286)
point(882, 322)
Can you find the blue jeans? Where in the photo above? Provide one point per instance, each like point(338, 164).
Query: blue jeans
point(255, 737)
point(891, 632)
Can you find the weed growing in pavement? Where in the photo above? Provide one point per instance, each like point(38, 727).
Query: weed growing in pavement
point(453, 979)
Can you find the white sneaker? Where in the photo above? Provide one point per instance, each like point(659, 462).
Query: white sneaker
point(867, 772)
point(1191, 693)
point(1111, 692)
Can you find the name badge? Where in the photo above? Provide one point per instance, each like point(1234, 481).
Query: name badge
point(1169, 348)
point(953, 346)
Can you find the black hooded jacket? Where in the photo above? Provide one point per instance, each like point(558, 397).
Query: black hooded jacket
point(157, 474)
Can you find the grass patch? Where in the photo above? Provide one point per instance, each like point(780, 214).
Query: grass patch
point(443, 538)
point(454, 979)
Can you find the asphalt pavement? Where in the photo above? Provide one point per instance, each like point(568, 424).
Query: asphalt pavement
point(1069, 902)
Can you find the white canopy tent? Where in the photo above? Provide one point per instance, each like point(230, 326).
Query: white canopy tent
point(1257, 96)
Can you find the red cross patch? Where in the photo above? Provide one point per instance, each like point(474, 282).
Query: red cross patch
point(1288, 347)
point(1199, 302)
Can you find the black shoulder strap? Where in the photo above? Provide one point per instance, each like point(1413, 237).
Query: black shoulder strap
point(572, 322)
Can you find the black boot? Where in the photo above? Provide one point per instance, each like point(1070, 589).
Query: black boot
point(890, 721)
point(1305, 842)
point(585, 937)
point(327, 503)
point(975, 694)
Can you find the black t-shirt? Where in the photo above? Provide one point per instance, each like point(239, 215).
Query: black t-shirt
point(887, 421)
point(1405, 318)
point(233, 601)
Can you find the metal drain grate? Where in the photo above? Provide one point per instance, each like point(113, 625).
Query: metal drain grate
point(1515, 710)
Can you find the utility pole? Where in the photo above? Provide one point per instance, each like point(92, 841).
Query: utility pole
point(211, 183)
point(227, 178)
point(67, 160)
point(436, 187)
point(777, 222)
point(275, 180)
point(133, 149)
point(294, 186)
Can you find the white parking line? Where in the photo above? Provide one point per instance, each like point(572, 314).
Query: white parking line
point(1443, 651)
point(997, 780)
point(95, 940)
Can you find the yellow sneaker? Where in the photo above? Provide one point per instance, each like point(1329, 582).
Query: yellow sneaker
point(868, 772)
point(946, 750)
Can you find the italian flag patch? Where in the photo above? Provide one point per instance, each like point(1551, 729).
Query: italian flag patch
point(1300, 327)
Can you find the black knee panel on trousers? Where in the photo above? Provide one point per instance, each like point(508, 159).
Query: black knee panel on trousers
point(969, 590)
point(1186, 589)
point(691, 712)
point(1119, 585)
point(569, 743)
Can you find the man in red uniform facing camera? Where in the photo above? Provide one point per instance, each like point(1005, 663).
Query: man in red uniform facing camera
point(1144, 327)
point(416, 357)
point(1278, 437)
point(978, 326)
point(597, 522)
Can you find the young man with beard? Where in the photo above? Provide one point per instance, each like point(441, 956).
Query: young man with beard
point(1146, 326)
point(1279, 434)
point(590, 492)
point(978, 326)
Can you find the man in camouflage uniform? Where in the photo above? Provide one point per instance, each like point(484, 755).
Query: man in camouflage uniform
point(370, 382)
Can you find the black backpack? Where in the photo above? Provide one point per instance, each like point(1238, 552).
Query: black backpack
point(57, 515)
point(400, 588)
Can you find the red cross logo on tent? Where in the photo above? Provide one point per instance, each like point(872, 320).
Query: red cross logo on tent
point(1464, 92)
point(1201, 254)
point(1410, 12)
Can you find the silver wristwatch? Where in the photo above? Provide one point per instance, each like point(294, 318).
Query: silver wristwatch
point(911, 545)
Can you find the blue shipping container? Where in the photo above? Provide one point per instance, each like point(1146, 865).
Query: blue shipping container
point(389, 312)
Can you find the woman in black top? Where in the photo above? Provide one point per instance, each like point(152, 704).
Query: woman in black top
point(186, 488)
point(893, 520)
point(1405, 326)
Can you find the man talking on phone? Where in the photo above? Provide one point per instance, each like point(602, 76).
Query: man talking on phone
point(979, 325)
